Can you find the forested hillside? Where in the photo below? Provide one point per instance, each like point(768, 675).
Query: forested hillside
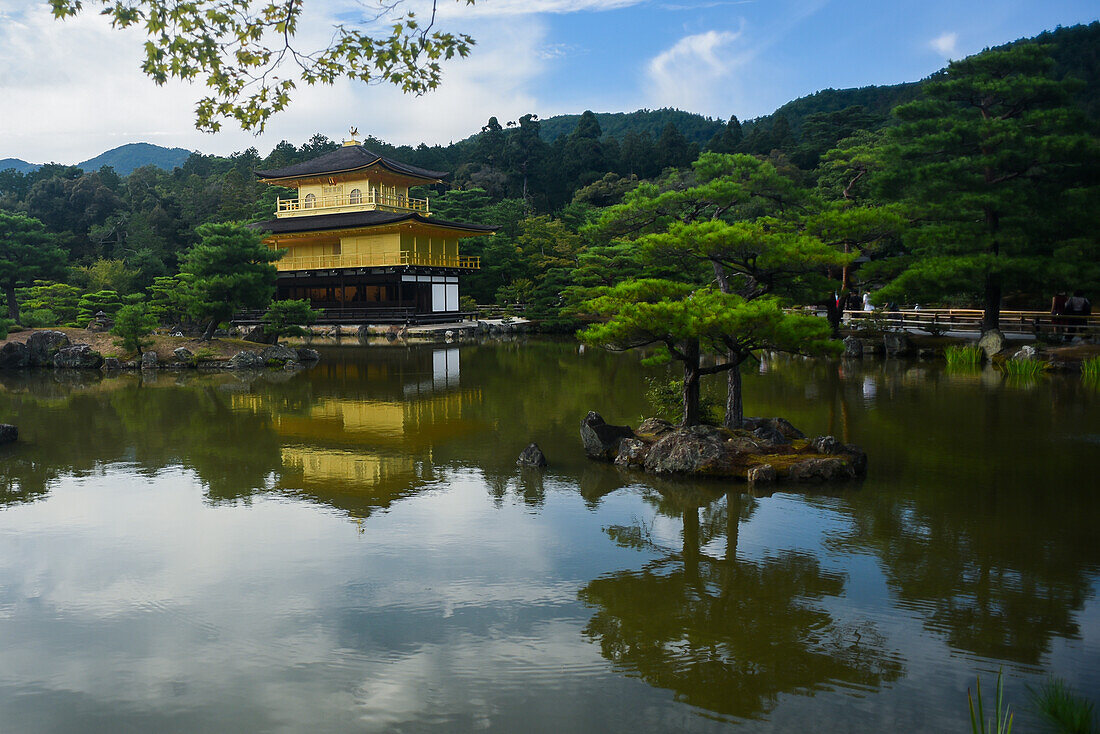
point(125, 158)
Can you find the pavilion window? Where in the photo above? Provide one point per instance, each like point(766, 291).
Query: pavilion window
point(310, 202)
point(355, 197)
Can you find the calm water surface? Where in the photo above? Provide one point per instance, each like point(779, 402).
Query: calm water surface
point(351, 548)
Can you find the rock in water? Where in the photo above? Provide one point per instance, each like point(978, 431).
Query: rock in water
point(78, 357)
point(827, 445)
point(8, 433)
point(532, 456)
point(992, 342)
point(13, 356)
point(149, 361)
point(694, 450)
point(654, 427)
point(822, 469)
point(111, 363)
point(1026, 353)
point(308, 355)
point(770, 435)
point(761, 474)
point(896, 343)
point(853, 346)
point(632, 452)
point(279, 355)
point(780, 424)
point(601, 440)
point(43, 345)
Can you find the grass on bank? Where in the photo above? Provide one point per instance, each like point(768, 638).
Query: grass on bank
point(1062, 708)
point(1023, 367)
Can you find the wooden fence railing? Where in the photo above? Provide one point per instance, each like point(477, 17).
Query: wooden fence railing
point(940, 320)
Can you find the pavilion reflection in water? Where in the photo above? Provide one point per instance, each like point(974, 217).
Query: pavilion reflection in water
point(364, 452)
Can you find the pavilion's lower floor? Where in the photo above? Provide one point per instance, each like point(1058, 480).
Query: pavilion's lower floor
point(375, 295)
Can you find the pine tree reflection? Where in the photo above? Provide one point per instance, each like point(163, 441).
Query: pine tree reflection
point(726, 634)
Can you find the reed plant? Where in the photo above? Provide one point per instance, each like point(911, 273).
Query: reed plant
point(1090, 368)
point(1064, 710)
point(1023, 367)
point(1002, 716)
point(965, 357)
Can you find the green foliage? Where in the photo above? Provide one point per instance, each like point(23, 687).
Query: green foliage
point(229, 269)
point(60, 299)
point(106, 274)
point(963, 357)
point(286, 318)
point(5, 326)
point(1023, 367)
point(37, 318)
point(467, 303)
point(132, 324)
point(1064, 710)
point(168, 298)
point(665, 395)
point(90, 304)
point(239, 51)
point(1090, 368)
point(995, 163)
point(27, 252)
point(1002, 716)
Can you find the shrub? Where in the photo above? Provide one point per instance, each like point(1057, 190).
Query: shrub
point(132, 324)
point(38, 318)
point(286, 318)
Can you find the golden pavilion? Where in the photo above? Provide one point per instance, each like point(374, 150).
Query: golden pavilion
point(359, 247)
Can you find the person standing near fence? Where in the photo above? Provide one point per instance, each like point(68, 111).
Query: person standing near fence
point(1077, 310)
point(1057, 312)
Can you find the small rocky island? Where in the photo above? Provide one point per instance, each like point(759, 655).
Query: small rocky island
point(765, 450)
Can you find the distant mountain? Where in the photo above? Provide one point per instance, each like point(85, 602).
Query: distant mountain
point(21, 166)
point(695, 127)
point(125, 158)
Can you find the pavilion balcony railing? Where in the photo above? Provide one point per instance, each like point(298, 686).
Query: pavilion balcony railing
point(333, 262)
point(366, 201)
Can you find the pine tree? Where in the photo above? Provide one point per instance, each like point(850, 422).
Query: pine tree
point(991, 159)
point(27, 253)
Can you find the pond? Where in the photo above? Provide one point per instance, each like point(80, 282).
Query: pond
point(351, 548)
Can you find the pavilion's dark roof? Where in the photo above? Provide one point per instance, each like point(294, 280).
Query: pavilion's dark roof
point(351, 220)
point(348, 158)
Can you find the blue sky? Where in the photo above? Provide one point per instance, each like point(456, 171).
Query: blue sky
point(71, 90)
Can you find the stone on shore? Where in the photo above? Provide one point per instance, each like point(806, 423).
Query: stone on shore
point(632, 452)
point(821, 469)
point(43, 345)
point(245, 361)
point(14, 356)
point(601, 440)
point(149, 361)
point(694, 450)
point(77, 357)
point(278, 355)
point(853, 347)
point(183, 354)
point(780, 424)
point(257, 335)
point(992, 342)
point(769, 434)
point(8, 433)
point(654, 427)
point(532, 456)
point(308, 355)
point(111, 363)
point(761, 474)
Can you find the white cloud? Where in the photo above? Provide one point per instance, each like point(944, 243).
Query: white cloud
point(946, 45)
point(73, 89)
point(686, 74)
point(497, 8)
